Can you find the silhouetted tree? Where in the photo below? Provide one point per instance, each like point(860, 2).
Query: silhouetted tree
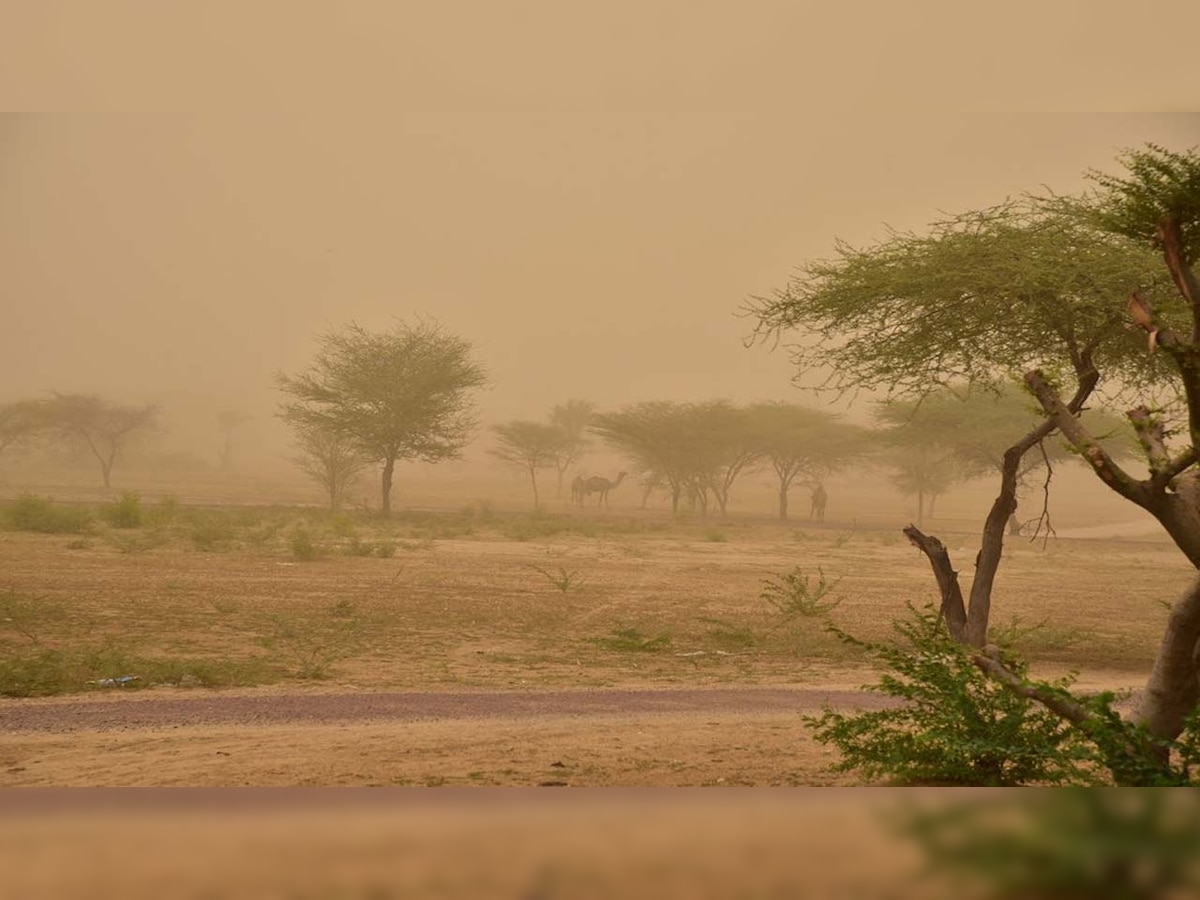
point(330, 459)
point(402, 394)
point(530, 445)
point(571, 419)
point(103, 428)
point(801, 443)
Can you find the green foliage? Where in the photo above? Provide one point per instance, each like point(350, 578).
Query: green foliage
point(31, 512)
point(954, 725)
point(793, 594)
point(310, 646)
point(302, 545)
point(126, 512)
point(983, 295)
point(1160, 184)
point(211, 531)
point(1071, 844)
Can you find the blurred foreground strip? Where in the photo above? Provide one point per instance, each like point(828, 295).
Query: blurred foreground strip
point(526, 844)
point(598, 843)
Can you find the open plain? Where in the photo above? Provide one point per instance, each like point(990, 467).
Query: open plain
point(469, 646)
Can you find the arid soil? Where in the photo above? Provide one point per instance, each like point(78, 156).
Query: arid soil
point(608, 649)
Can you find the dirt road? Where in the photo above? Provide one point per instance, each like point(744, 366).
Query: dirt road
point(146, 711)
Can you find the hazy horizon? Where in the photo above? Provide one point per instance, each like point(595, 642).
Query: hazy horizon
point(185, 259)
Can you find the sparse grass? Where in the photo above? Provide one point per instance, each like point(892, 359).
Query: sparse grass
point(716, 536)
point(631, 640)
point(563, 580)
point(466, 617)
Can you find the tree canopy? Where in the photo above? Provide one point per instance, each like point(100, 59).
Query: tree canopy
point(102, 427)
point(530, 445)
point(402, 394)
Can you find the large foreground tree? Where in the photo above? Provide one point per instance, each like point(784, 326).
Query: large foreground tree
point(402, 394)
point(1097, 295)
point(1156, 203)
point(980, 299)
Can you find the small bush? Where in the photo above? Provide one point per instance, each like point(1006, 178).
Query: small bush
point(793, 594)
point(303, 546)
point(211, 531)
point(30, 512)
point(716, 536)
point(954, 726)
point(125, 513)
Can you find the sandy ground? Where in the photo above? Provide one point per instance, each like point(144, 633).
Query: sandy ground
point(747, 736)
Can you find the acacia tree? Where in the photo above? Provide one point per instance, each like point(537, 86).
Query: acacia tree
point(1157, 204)
point(797, 442)
point(530, 445)
point(659, 438)
point(103, 428)
point(571, 419)
point(330, 459)
point(402, 394)
point(982, 298)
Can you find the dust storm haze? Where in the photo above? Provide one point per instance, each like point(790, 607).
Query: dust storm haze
point(590, 214)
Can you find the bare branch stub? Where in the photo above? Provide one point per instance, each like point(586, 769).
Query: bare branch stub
point(953, 609)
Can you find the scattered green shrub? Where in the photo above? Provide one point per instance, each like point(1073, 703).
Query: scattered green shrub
point(953, 725)
point(303, 546)
point(793, 594)
point(211, 531)
point(30, 512)
point(125, 513)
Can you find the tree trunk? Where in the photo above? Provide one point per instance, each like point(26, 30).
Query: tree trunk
point(988, 561)
point(1173, 690)
point(783, 501)
point(1014, 525)
point(932, 504)
point(389, 467)
point(952, 609)
point(920, 507)
point(533, 481)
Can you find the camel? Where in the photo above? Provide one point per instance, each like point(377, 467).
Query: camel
point(598, 484)
point(577, 490)
point(819, 499)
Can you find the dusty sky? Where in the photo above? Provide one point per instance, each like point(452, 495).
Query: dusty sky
point(587, 199)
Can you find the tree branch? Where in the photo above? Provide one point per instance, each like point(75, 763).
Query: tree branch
point(952, 610)
point(1094, 454)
